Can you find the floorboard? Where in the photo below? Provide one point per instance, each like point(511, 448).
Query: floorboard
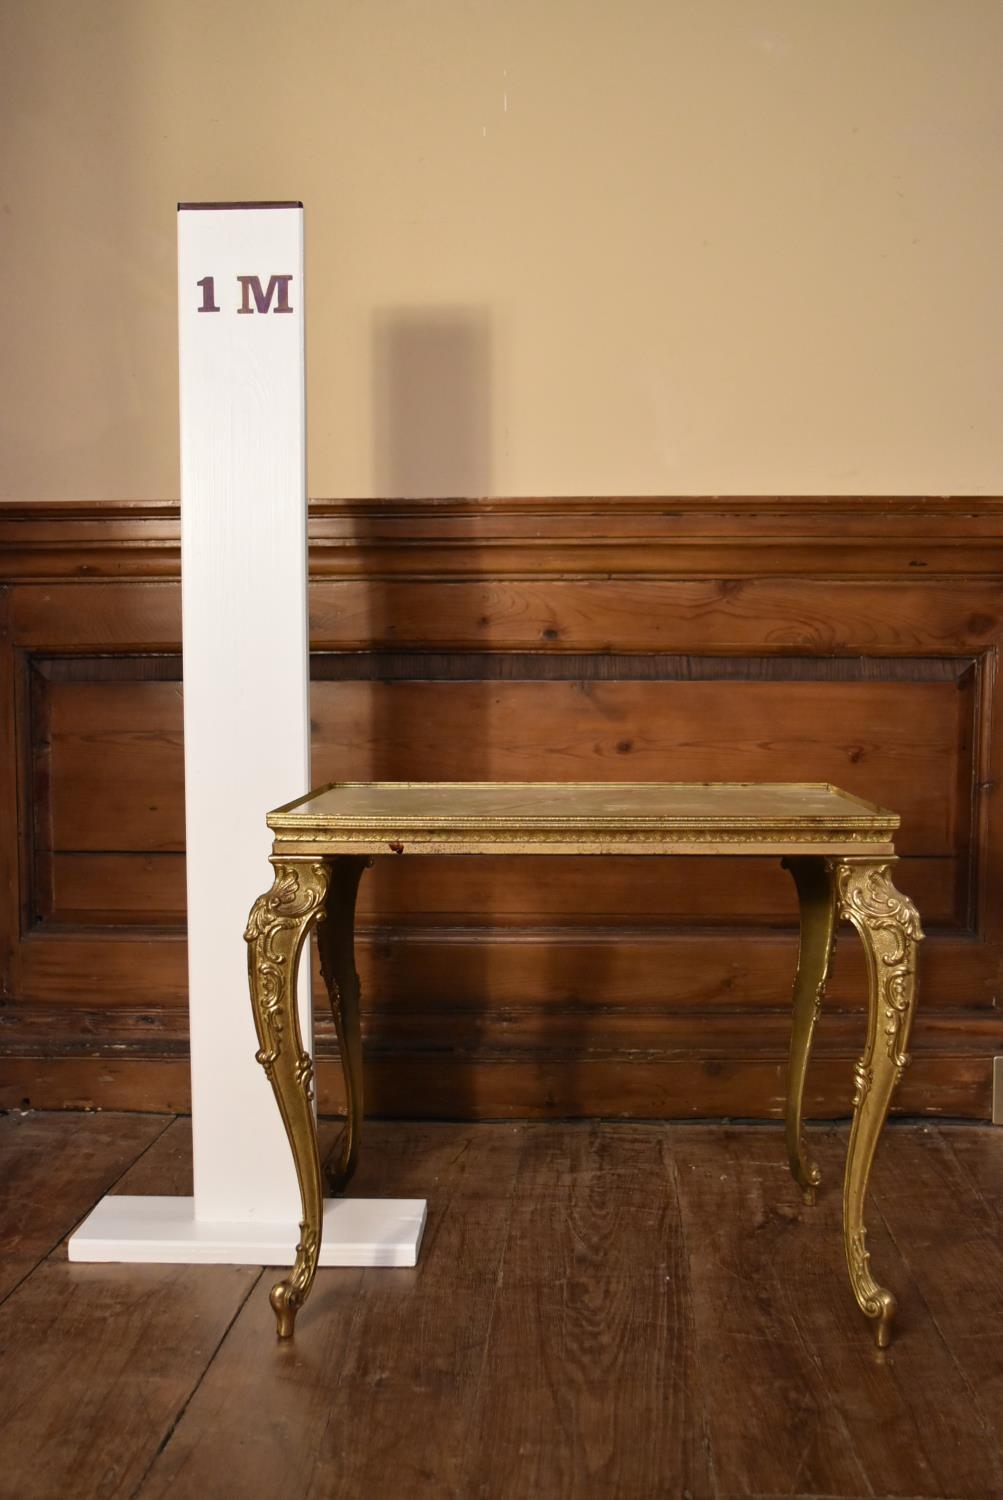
point(374, 1397)
point(773, 1425)
point(591, 1381)
point(980, 1163)
point(949, 1237)
point(97, 1362)
point(605, 1311)
point(53, 1169)
point(913, 1422)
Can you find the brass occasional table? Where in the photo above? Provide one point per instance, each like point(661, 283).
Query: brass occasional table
point(837, 847)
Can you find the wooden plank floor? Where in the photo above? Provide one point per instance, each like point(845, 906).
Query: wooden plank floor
point(601, 1310)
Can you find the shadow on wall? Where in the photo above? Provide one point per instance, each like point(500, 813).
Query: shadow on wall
point(432, 403)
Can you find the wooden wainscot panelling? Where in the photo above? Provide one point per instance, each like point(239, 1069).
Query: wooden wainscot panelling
point(852, 640)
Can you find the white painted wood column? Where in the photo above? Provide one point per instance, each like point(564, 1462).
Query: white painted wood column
point(247, 716)
point(247, 741)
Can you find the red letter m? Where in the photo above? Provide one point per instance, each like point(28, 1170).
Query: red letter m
point(250, 286)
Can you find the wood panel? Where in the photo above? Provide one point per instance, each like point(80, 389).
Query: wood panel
point(149, 889)
point(856, 616)
point(460, 1086)
point(115, 764)
point(849, 640)
point(111, 783)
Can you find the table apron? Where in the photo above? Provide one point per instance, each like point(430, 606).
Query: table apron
point(330, 846)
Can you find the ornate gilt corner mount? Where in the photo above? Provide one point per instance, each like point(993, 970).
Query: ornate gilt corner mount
point(276, 925)
point(889, 924)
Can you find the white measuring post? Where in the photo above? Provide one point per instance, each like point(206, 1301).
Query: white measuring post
point(247, 743)
point(247, 716)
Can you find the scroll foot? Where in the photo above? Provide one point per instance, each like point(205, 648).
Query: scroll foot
point(288, 1296)
point(285, 1305)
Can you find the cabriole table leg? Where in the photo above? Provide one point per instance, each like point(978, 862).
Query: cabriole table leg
point(276, 931)
point(336, 942)
point(817, 903)
point(889, 928)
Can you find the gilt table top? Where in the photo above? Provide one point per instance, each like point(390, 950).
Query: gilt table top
point(534, 817)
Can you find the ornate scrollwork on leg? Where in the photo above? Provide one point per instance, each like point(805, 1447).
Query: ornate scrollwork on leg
point(817, 901)
point(889, 928)
point(336, 942)
point(276, 931)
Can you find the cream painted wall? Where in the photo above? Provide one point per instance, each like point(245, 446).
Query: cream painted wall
point(554, 246)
